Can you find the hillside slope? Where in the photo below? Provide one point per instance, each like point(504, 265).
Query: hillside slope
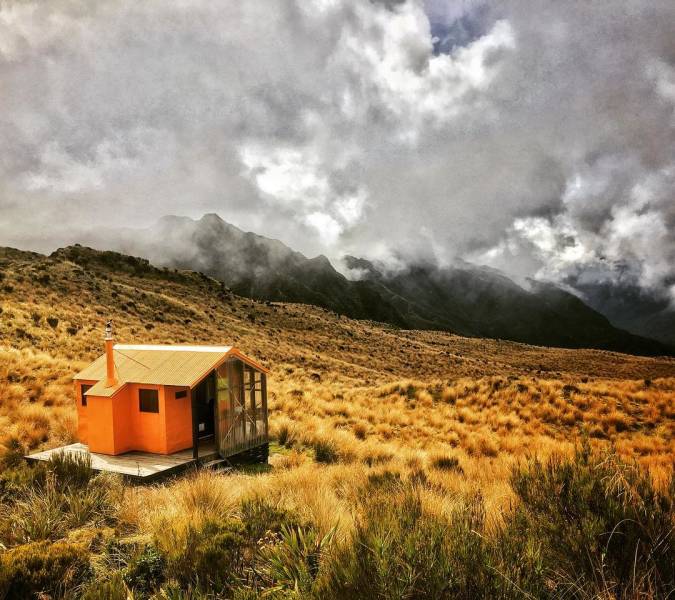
point(80, 288)
point(250, 265)
point(329, 373)
point(464, 299)
point(358, 410)
point(480, 301)
point(627, 306)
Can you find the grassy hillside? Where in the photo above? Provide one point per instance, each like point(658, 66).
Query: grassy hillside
point(360, 411)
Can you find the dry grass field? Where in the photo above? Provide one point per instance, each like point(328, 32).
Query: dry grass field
point(350, 402)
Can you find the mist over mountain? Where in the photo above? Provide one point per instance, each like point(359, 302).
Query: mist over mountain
point(628, 306)
point(462, 298)
point(251, 265)
point(537, 138)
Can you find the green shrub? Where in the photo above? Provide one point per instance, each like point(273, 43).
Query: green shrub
point(112, 588)
point(94, 504)
point(45, 510)
point(137, 562)
point(409, 391)
point(146, 570)
point(42, 567)
point(599, 524)
point(38, 514)
point(177, 592)
point(286, 435)
point(16, 480)
point(246, 594)
point(212, 556)
point(293, 563)
point(261, 519)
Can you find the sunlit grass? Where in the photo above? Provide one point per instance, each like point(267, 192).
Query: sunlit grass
point(351, 403)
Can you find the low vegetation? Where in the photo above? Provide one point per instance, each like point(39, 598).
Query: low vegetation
point(585, 526)
point(404, 465)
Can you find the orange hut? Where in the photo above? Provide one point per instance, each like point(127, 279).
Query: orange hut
point(164, 399)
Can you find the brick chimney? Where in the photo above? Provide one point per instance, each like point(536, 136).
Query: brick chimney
point(110, 380)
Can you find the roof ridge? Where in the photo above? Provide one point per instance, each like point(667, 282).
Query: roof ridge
point(164, 364)
point(173, 348)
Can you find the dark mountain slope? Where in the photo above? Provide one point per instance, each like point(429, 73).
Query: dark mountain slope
point(626, 306)
point(479, 301)
point(251, 265)
point(465, 299)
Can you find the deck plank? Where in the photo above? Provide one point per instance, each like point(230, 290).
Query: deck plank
point(141, 465)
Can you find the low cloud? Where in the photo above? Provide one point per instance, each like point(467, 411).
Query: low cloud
point(534, 137)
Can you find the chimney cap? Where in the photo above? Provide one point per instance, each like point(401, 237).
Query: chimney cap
point(109, 330)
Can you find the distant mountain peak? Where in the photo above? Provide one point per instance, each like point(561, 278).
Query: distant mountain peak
point(364, 267)
point(212, 217)
point(462, 298)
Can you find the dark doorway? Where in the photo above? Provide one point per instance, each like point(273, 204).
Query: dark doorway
point(205, 408)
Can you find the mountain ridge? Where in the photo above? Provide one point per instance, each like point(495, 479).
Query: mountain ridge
point(463, 298)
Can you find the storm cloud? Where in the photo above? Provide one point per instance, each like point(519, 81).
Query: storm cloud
point(536, 137)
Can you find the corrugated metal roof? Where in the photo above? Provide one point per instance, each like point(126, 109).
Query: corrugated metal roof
point(99, 389)
point(162, 365)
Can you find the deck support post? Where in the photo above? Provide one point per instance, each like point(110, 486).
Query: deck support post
point(195, 424)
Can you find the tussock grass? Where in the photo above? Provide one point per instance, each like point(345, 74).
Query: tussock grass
point(384, 438)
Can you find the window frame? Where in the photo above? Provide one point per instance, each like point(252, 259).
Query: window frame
point(84, 388)
point(154, 410)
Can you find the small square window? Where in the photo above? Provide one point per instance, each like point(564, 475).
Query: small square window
point(181, 394)
point(84, 388)
point(148, 401)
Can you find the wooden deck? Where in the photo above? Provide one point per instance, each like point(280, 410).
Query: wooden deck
point(140, 466)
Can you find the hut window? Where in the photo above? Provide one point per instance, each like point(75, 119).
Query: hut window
point(181, 394)
point(84, 388)
point(148, 401)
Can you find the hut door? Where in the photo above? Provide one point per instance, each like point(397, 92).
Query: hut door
point(223, 408)
point(231, 409)
point(241, 408)
point(205, 400)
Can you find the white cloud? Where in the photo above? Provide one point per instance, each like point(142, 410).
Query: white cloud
point(542, 143)
point(414, 87)
point(634, 232)
point(350, 208)
point(287, 175)
point(327, 227)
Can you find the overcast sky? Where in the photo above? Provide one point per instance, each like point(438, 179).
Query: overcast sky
point(537, 137)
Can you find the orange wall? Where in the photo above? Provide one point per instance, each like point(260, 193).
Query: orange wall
point(81, 410)
point(100, 436)
point(178, 415)
point(115, 425)
point(148, 430)
point(123, 432)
